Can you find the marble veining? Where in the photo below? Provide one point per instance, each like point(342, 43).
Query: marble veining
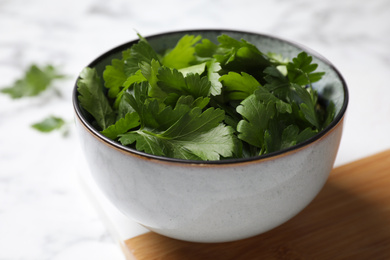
point(43, 212)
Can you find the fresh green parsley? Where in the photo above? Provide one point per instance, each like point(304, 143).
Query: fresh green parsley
point(205, 101)
point(34, 82)
point(49, 124)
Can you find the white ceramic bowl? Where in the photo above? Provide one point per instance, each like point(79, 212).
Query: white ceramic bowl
point(215, 201)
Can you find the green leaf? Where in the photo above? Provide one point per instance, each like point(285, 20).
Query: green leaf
point(239, 86)
point(266, 96)
point(172, 81)
point(197, 86)
point(272, 138)
point(34, 82)
point(145, 141)
point(193, 122)
point(182, 55)
point(168, 116)
point(306, 134)
point(302, 97)
point(301, 70)
point(158, 115)
point(206, 48)
point(330, 113)
point(130, 121)
point(139, 52)
point(49, 124)
point(230, 46)
point(150, 71)
point(114, 76)
point(183, 132)
point(277, 83)
point(310, 114)
point(277, 58)
point(124, 107)
point(194, 69)
point(208, 146)
point(256, 116)
point(277, 139)
point(137, 77)
point(92, 98)
point(289, 136)
point(147, 108)
point(213, 68)
point(195, 136)
point(241, 56)
point(283, 89)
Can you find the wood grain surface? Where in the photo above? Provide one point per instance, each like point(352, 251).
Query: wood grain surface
point(349, 219)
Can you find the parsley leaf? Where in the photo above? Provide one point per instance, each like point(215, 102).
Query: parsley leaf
point(35, 81)
point(276, 139)
point(92, 98)
point(147, 108)
point(206, 49)
point(194, 136)
point(114, 76)
point(49, 124)
point(213, 68)
point(302, 97)
point(129, 121)
point(210, 145)
point(135, 78)
point(300, 70)
point(241, 56)
point(183, 132)
point(195, 121)
point(145, 141)
point(239, 86)
point(138, 53)
point(265, 96)
point(194, 69)
point(172, 81)
point(256, 116)
point(282, 88)
point(277, 83)
point(182, 55)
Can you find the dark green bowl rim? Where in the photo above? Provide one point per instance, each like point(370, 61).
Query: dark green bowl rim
point(119, 146)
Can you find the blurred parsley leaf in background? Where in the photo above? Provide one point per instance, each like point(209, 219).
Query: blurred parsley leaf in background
point(35, 81)
point(49, 124)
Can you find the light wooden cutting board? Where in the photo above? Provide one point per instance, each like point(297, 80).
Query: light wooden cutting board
point(349, 219)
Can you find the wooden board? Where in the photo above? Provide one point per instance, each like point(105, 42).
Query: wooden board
point(349, 219)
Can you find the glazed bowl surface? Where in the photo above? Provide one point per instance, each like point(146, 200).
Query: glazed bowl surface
point(215, 201)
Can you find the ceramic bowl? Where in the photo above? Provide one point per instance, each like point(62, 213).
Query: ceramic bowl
point(215, 201)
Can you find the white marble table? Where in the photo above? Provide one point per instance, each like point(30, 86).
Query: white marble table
point(44, 211)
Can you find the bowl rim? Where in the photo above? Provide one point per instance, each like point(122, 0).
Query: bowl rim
point(116, 145)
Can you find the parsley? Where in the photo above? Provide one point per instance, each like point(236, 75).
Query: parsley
point(35, 81)
point(182, 55)
point(93, 99)
point(49, 124)
point(205, 101)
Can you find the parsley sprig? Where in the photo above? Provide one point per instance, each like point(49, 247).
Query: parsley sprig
point(205, 101)
point(35, 81)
